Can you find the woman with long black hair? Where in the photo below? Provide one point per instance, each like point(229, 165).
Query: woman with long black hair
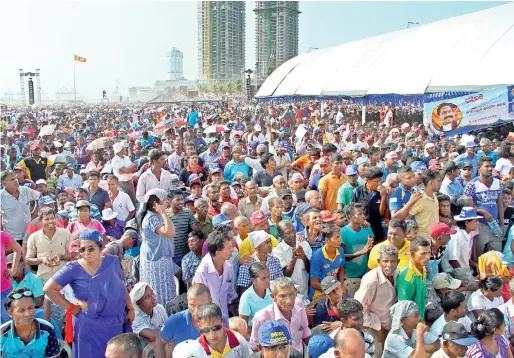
point(157, 249)
point(489, 329)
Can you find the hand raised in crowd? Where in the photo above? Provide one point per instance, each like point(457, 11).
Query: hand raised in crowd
point(369, 245)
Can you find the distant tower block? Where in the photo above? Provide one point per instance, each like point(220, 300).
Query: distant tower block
point(176, 68)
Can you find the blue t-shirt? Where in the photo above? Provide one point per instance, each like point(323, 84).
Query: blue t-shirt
point(399, 198)
point(251, 303)
point(179, 327)
point(44, 344)
point(322, 266)
point(191, 118)
point(353, 242)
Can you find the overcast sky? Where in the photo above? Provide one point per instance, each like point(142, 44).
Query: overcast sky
point(128, 40)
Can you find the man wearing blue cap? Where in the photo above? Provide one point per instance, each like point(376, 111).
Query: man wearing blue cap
point(470, 155)
point(274, 341)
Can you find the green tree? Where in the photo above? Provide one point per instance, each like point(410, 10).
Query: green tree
point(270, 71)
point(214, 89)
point(230, 88)
point(238, 86)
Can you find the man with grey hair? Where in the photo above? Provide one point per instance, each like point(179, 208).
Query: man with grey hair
point(229, 210)
point(279, 182)
point(125, 345)
point(379, 282)
point(485, 150)
point(286, 308)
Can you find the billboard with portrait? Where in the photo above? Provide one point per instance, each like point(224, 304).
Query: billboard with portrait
point(470, 112)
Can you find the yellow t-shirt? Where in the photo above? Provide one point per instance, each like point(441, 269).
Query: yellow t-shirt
point(403, 255)
point(246, 248)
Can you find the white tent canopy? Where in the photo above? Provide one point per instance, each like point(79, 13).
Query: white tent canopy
point(466, 53)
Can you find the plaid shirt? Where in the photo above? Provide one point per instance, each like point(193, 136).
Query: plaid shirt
point(275, 270)
point(190, 263)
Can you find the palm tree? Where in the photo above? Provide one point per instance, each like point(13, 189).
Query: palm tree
point(214, 89)
point(238, 86)
point(230, 88)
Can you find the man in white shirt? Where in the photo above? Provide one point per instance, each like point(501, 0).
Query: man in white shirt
point(124, 169)
point(454, 307)
point(121, 203)
point(293, 256)
point(155, 177)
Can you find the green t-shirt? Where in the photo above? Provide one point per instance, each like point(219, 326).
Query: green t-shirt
point(410, 285)
point(344, 194)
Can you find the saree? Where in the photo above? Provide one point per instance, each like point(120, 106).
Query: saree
point(105, 296)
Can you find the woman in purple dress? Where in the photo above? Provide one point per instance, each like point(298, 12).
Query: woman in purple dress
point(100, 305)
point(489, 329)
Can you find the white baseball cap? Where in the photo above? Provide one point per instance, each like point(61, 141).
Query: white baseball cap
point(189, 349)
point(118, 147)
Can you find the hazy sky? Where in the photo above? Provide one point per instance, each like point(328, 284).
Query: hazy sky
point(128, 40)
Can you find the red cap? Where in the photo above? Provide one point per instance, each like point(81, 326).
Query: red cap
point(19, 169)
point(258, 217)
point(441, 229)
point(326, 216)
point(34, 147)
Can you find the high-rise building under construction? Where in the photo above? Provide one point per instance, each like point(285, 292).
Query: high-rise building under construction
point(221, 41)
point(276, 35)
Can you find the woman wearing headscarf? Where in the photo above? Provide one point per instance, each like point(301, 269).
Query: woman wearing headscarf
point(157, 249)
point(150, 316)
point(492, 264)
point(489, 329)
point(409, 335)
point(101, 304)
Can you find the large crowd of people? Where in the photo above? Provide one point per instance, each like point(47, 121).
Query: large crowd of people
point(257, 230)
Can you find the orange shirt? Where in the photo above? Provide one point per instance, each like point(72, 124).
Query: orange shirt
point(302, 162)
point(330, 184)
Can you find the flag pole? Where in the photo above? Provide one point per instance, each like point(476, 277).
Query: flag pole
point(74, 81)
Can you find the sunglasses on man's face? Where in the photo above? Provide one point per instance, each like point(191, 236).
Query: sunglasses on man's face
point(89, 249)
point(215, 328)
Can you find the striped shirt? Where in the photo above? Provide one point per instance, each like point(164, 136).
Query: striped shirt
point(182, 222)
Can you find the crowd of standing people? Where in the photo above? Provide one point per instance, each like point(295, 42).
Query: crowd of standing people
point(264, 230)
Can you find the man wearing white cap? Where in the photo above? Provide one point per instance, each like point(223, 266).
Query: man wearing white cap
point(429, 153)
point(189, 348)
point(405, 128)
point(124, 169)
point(390, 165)
point(261, 241)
